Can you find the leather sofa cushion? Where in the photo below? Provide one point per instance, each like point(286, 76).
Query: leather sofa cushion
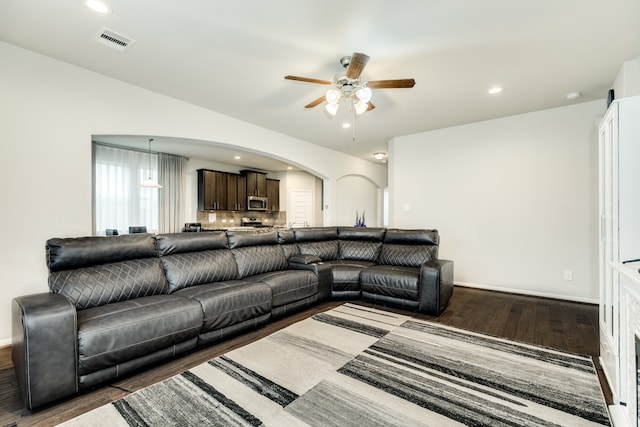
point(116, 333)
point(240, 239)
point(287, 241)
point(196, 268)
point(411, 237)
point(176, 243)
point(315, 234)
point(109, 283)
point(63, 254)
point(254, 260)
point(392, 281)
point(361, 233)
point(289, 286)
point(286, 236)
point(229, 303)
point(357, 250)
point(326, 250)
point(406, 255)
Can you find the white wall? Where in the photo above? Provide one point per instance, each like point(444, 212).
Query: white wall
point(356, 193)
point(627, 82)
point(515, 199)
point(48, 112)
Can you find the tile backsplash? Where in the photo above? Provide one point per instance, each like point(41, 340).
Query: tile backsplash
point(227, 219)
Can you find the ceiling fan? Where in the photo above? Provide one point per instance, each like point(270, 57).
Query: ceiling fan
point(347, 85)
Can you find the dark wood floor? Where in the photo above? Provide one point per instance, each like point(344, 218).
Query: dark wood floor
point(552, 323)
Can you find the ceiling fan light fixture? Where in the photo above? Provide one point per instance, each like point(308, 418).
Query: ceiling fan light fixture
point(331, 108)
point(360, 107)
point(333, 96)
point(364, 94)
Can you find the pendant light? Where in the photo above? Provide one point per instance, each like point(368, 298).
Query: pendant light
point(149, 182)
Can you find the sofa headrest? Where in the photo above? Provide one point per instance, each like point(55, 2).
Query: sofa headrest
point(411, 237)
point(176, 243)
point(77, 252)
point(286, 236)
point(314, 234)
point(239, 239)
point(361, 233)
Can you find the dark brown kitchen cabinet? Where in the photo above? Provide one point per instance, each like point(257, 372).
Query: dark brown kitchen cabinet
point(256, 183)
point(273, 195)
point(236, 192)
point(212, 190)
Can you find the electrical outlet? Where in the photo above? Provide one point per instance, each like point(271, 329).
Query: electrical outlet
point(568, 275)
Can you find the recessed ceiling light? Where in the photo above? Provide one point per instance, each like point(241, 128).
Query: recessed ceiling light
point(346, 125)
point(236, 157)
point(98, 6)
point(290, 167)
point(379, 155)
point(495, 90)
point(572, 96)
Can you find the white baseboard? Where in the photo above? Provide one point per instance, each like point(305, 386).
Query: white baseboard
point(527, 292)
point(6, 342)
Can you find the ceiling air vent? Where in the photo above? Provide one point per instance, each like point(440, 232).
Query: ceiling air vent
point(112, 39)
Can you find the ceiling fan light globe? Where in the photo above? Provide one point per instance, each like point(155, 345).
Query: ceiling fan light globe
point(331, 108)
point(360, 107)
point(364, 94)
point(333, 96)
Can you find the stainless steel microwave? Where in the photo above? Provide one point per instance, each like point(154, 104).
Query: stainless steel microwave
point(256, 203)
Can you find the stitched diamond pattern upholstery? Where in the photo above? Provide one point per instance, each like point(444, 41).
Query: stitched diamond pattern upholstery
point(103, 284)
point(406, 255)
point(365, 251)
point(326, 250)
point(254, 260)
point(195, 268)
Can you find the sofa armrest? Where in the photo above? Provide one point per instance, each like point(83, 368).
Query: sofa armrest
point(44, 347)
point(436, 286)
point(322, 271)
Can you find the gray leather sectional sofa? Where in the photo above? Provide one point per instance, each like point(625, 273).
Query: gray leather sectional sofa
point(119, 304)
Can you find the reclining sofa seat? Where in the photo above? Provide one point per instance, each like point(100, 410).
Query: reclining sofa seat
point(347, 250)
point(96, 326)
point(409, 273)
point(200, 267)
point(261, 259)
point(386, 266)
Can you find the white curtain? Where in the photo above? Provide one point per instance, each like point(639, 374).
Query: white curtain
point(119, 200)
point(172, 177)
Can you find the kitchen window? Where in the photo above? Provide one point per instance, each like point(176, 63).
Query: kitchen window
point(119, 202)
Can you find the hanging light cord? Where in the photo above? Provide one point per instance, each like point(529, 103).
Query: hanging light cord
point(150, 139)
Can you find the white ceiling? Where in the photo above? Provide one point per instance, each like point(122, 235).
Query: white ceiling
point(231, 56)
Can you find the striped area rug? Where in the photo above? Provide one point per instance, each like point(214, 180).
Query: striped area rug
point(358, 366)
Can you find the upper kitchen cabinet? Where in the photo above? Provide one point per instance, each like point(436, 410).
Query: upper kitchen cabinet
point(256, 183)
point(212, 190)
point(236, 192)
point(273, 195)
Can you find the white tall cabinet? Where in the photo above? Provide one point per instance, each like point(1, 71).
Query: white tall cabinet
point(619, 209)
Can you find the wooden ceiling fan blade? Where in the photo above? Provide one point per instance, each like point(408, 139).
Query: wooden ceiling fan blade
point(316, 102)
point(308, 80)
point(370, 106)
point(356, 65)
point(391, 84)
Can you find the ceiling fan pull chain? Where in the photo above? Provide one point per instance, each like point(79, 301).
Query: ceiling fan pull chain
point(353, 124)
